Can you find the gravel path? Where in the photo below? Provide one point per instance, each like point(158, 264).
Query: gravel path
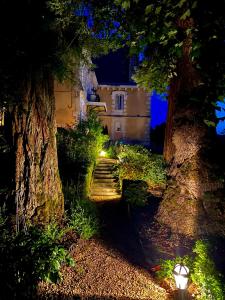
point(102, 273)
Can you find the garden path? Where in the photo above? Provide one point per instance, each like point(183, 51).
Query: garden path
point(104, 184)
point(117, 265)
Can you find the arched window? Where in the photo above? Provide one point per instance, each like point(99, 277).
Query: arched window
point(119, 102)
point(119, 99)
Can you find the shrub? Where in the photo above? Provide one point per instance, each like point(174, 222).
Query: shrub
point(84, 219)
point(82, 214)
point(137, 163)
point(205, 275)
point(27, 257)
point(167, 266)
point(78, 150)
point(113, 150)
point(135, 192)
point(203, 272)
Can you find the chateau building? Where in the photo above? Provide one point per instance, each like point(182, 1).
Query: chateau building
point(127, 118)
point(122, 106)
point(73, 100)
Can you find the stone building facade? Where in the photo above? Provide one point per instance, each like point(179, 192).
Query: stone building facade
point(122, 106)
point(72, 98)
point(127, 118)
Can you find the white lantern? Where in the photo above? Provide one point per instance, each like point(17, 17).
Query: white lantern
point(181, 273)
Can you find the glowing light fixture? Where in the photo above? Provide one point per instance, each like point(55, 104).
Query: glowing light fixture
point(102, 153)
point(181, 273)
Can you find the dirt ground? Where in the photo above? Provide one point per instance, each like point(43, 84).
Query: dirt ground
point(118, 264)
point(102, 273)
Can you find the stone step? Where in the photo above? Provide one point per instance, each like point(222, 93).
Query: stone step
point(103, 176)
point(104, 184)
point(94, 193)
point(104, 169)
point(105, 198)
point(103, 164)
point(102, 172)
point(107, 161)
point(107, 185)
point(103, 180)
point(103, 190)
point(108, 167)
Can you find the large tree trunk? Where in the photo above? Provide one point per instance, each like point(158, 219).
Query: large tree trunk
point(193, 202)
point(168, 146)
point(38, 191)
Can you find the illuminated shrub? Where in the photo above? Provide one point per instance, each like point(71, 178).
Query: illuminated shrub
point(137, 163)
point(203, 274)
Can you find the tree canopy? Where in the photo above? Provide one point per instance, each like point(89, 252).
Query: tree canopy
point(53, 35)
point(160, 29)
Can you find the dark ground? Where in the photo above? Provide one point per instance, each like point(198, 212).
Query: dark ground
point(137, 236)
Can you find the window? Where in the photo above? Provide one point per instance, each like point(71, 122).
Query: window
point(119, 102)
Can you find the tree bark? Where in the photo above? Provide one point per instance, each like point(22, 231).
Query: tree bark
point(37, 185)
point(193, 202)
point(168, 146)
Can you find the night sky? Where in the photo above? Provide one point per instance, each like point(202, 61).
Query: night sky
point(114, 69)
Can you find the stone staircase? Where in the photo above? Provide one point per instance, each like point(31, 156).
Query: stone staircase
point(104, 186)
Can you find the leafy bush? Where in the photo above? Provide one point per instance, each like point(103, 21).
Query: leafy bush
point(167, 266)
point(203, 272)
point(84, 219)
point(27, 257)
point(137, 163)
point(81, 146)
point(82, 215)
point(78, 150)
point(135, 192)
point(205, 275)
point(4, 147)
point(114, 149)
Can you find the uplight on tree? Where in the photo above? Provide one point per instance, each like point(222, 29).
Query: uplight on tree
point(181, 273)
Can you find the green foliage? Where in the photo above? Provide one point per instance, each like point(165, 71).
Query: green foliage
point(82, 144)
point(78, 150)
point(203, 272)
point(137, 163)
point(84, 219)
point(135, 192)
point(205, 275)
point(3, 217)
point(62, 27)
point(113, 150)
point(28, 257)
point(163, 31)
point(82, 214)
point(46, 252)
point(4, 147)
point(167, 266)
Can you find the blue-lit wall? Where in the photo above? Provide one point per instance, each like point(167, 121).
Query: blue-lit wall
point(159, 107)
point(220, 114)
